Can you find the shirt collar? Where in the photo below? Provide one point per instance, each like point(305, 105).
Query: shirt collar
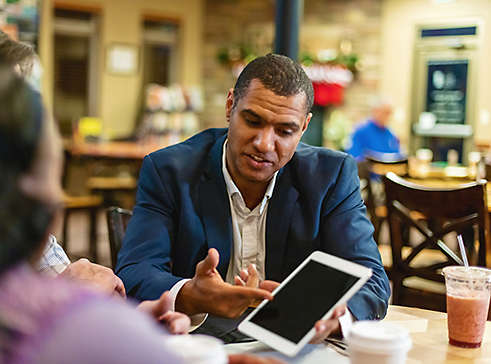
point(232, 188)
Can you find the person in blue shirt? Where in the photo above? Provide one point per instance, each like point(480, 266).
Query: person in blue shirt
point(373, 136)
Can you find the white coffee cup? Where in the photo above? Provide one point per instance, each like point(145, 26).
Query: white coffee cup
point(376, 342)
point(198, 349)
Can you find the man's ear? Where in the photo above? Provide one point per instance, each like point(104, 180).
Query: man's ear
point(307, 121)
point(229, 104)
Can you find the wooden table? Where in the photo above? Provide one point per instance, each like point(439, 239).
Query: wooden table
point(112, 150)
point(430, 344)
point(428, 330)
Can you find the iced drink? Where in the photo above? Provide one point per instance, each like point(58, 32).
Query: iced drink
point(466, 320)
point(468, 292)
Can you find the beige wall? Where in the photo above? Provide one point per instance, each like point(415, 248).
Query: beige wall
point(399, 21)
point(121, 21)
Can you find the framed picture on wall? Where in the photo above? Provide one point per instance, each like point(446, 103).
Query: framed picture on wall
point(122, 59)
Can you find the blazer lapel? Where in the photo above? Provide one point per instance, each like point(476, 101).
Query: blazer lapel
point(280, 211)
point(215, 207)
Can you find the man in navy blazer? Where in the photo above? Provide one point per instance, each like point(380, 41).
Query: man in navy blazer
point(186, 223)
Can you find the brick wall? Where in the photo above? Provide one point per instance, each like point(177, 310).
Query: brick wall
point(326, 23)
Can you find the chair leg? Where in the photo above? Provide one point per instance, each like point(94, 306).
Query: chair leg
point(64, 242)
point(93, 235)
point(396, 289)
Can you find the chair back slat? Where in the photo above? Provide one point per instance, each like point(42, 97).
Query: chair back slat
point(117, 221)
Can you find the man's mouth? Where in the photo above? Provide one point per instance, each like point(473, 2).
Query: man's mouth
point(258, 161)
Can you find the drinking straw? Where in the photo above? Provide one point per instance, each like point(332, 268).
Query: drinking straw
point(462, 250)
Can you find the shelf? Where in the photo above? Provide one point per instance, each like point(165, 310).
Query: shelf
point(444, 131)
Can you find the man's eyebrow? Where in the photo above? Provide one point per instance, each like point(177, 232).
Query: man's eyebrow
point(250, 113)
point(287, 124)
point(291, 125)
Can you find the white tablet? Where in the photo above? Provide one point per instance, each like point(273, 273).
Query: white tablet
point(307, 295)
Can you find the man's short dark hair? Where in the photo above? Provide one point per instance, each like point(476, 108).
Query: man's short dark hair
point(279, 74)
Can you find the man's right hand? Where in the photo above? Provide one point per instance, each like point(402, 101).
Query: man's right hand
point(208, 293)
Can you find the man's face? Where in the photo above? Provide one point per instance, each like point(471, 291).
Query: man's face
point(263, 134)
point(381, 114)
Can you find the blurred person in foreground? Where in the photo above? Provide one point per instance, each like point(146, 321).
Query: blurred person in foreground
point(24, 61)
point(232, 209)
point(45, 319)
point(373, 137)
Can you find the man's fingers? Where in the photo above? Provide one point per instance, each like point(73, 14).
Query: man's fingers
point(323, 328)
point(165, 302)
point(253, 280)
point(177, 323)
point(244, 275)
point(238, 281)
point(338, 311)
point(250, 293)
point(120, 287)
point(268, 285)
point(209, 264)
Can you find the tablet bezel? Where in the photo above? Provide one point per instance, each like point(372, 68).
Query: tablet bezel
point(284, 345)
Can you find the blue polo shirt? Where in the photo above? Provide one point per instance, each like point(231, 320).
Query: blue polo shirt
point(370, 137)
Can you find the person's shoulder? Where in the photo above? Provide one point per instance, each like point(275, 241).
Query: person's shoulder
point(364, 126)
point(318, 160)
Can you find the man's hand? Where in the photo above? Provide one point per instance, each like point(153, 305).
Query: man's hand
point(251, 359)
point(208, 293)
point(323, 328)
point(176, 322)
point(250, 278)
point(97, 276)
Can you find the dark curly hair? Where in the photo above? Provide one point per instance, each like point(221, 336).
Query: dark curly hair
point(23, 220)
point(279, 74)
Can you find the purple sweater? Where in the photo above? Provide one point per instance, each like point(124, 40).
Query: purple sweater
point(45, 320)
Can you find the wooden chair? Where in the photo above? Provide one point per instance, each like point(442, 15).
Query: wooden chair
point(117, 221)
point(368, 170)
point(416, 269)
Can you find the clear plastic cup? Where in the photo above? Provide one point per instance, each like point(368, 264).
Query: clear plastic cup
point(468, 293)
point(376, 342)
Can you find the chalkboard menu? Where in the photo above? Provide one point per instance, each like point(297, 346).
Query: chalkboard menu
point(447, 90)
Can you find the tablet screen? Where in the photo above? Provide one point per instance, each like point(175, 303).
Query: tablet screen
point(297, 306)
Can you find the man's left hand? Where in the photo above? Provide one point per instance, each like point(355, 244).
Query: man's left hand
point(325, 328)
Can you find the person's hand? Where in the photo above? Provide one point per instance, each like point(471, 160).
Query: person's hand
point(161, 310)
point(252, 359)
point(95, 275)
point(207, 292)
point(324, 328)
point(250, 278)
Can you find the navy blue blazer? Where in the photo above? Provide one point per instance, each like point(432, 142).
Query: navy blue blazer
point(183, 209)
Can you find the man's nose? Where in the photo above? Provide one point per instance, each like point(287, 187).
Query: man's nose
point(264, 140)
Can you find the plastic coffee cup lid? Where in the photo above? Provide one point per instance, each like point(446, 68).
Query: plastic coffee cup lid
point(469, 273)
point(378, 337)
point(199, 349)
